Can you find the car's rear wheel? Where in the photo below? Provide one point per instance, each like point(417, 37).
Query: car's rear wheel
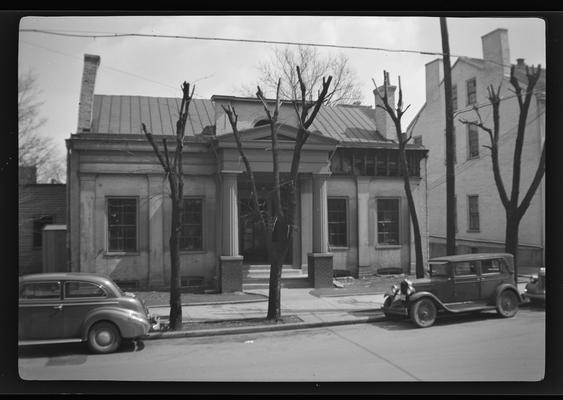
point(507, 304)
point(387, 304)
point(104, 337)
point(423, 313)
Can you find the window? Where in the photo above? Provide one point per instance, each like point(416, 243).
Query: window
point(388, 221)
point(472, 141)
point(122, 224)
point(191, 238)
point(471, 85)
point(465, 268)
point(337, 227)
point(83, 289)
point(454, 97)
point(38, 224)
point(490, 267)
point(41, 290)
point(473, 202)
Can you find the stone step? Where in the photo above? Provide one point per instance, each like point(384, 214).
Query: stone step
point(266, 274)
point(293, 282)
point(265, 267)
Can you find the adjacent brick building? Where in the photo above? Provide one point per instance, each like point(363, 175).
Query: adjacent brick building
point(40, 204)
point(480, 215)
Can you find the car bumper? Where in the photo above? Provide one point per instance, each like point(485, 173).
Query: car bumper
point(533, 296)
point(154, 321)
point(398, 307)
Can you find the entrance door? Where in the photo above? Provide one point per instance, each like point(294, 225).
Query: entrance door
point(252, 237)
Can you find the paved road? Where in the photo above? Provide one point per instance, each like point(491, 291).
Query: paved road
point(483, 347)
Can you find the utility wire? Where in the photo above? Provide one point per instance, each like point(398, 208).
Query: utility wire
point(118, 35)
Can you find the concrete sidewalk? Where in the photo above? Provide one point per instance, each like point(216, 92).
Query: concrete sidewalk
point(313, 312)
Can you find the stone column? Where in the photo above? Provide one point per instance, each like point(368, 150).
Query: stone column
point(320, 260)
point(362, 187)
point(230, 260)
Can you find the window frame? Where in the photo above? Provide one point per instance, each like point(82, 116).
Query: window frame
point(470, 129)
point(346, 222)
point(470, 93)
point(399, 232)
point(107, 226)
point(203, 221)
point(469, 214)
point(20, 291)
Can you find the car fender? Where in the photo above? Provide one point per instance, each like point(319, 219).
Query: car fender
point(128, 328)
point(419, 295)
point(505, 286)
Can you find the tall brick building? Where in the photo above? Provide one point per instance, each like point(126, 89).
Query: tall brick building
point(481, 218)
point(40, 204)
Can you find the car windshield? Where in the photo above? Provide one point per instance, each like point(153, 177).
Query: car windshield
point(439, 269)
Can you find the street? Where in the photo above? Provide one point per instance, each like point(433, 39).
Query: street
point(481, 347)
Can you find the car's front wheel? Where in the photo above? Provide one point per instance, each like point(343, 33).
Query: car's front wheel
point(104, 337)
point(507, 304)
point(423, 313)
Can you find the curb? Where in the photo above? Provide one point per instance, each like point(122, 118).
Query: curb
point(258, 329)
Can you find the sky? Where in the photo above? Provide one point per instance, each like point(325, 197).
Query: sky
point(157, 66)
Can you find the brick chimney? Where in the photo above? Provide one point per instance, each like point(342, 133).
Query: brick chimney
point(434, 75)
point(496, 50)
point(383, 122)
point(86, 105)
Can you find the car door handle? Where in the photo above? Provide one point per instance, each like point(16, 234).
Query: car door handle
point(58, 308)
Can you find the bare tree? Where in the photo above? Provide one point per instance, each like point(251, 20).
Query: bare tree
point(514, 211)
point(396, 114)
point(33, 147)
point(280, 228)
point(173, 171)
point(313, 67)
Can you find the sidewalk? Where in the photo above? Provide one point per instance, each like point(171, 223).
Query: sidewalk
point(311, 310)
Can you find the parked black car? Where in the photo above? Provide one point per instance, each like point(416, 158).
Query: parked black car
point(535, 289)
point(461, 283)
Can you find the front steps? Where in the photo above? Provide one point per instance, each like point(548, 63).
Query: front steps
point(257, 276)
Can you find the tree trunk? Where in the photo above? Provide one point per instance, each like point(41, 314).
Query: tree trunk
point(279, 248)
point(414, 218)
point(511, 242)
point(175, 317)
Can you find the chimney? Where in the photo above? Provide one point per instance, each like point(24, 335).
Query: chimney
point(496, 50)
point(86, 105)
point(434, 75)
point(27, 175)
point(383, 122)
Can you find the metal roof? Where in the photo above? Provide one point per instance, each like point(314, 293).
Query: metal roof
point(124, 114)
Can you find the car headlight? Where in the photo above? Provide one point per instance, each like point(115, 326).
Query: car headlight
point(406, 287)
point(394, 289)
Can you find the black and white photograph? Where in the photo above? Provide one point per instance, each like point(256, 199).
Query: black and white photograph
point(270, 198)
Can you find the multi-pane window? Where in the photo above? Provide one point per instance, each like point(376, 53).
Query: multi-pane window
point(388, 221)
point(337, 227)
point(374, 162)
point(122, 224)
point(471, 85)
point(191, 238)
point(473, 141)
point(38, 224)
point(41, 290)
point(473, 205)
point(454, 97)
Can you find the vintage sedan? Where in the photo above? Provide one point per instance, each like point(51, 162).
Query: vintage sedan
point(535, 289)
point(456, 284)
point(63, 307)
